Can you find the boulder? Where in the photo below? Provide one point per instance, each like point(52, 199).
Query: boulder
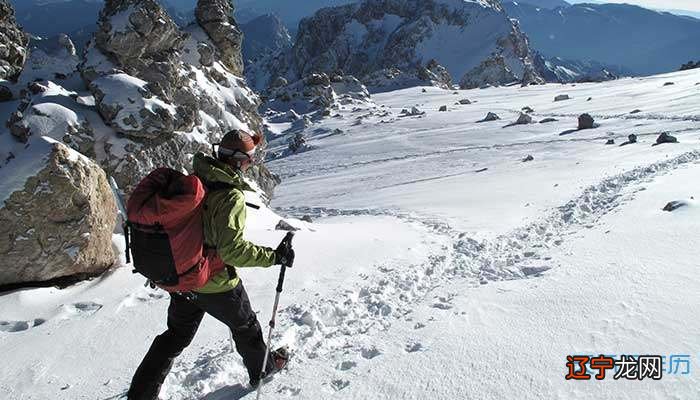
point(443, 108)
point(283, 225)
point(632, 138)
point(585, 121)
point(490, 117)
point(666, 138)
point(610, 141)
point(465, 102)
point(674, 205)
point(528, 110)
point(562, 97)
point(669, 83)
point(58, 222)
point(528, 158)
point(412, 113)
point(13, 44)
point(523, 119)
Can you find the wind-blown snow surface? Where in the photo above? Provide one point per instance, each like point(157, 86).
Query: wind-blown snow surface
point(422, 278)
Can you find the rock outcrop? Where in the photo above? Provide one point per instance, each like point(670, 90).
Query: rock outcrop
point(381, 38)
point(151, 94)
point(387, 79)
point(511, 62)
point(317, 92)
point(171, 96)
point(13, 44)
point(559, 70)
point(690, 65)
point(58, 223)
point(216, 18)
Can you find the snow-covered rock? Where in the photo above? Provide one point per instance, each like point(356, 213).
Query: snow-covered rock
point(54, 58)
point(171, 96)
point(57, 215)
point(391, 37)
point(393, 78)
point(556, 69)
point(13, 43)
point(132, 108)
point(317, 92)
point(490, 116)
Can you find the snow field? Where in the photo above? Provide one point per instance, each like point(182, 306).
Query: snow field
point(421, 278)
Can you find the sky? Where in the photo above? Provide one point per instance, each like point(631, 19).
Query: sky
point(690, 5)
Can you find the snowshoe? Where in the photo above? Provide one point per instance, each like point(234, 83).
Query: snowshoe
point(280, 359)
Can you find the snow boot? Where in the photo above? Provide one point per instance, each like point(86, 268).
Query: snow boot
point(280, 359)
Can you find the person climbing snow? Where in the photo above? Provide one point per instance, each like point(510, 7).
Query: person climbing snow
point(223, 295)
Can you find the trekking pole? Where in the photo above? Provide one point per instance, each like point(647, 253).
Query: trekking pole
point(287, 243)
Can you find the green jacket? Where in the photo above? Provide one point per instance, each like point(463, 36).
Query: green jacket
point(224, 222)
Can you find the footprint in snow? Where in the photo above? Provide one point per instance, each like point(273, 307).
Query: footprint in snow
point(370, 352)
point(339, 384)
point(289, 391)
point(413, 347)
point(19, 326)
point(142, 296)
point(346, 365)
point(80, 309)
point(444, 302)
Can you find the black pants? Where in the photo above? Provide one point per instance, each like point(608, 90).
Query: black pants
point(184, 315)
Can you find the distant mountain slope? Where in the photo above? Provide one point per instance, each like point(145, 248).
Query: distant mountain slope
point(289, 11)
point(550, 4)
point(641, 40)
point(263, 35)
point(49, 18)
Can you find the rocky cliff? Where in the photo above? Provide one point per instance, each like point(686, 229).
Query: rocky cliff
point(145, 93)
point(376, 36)
point(13, 51)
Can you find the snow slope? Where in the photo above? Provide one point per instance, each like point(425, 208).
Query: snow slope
point(421, 278)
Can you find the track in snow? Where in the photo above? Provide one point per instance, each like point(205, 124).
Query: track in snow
point(332, 327)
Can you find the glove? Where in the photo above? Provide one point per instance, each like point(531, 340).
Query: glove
point(284, 255)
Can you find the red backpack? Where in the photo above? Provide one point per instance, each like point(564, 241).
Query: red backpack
point(164, 231)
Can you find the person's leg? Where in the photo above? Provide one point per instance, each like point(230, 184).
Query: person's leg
point(233, 309)
point(183, 320)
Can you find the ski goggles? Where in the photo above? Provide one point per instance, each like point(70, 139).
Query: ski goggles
point(223, 152)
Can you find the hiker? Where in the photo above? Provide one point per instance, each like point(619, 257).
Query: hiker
point(223, 296)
